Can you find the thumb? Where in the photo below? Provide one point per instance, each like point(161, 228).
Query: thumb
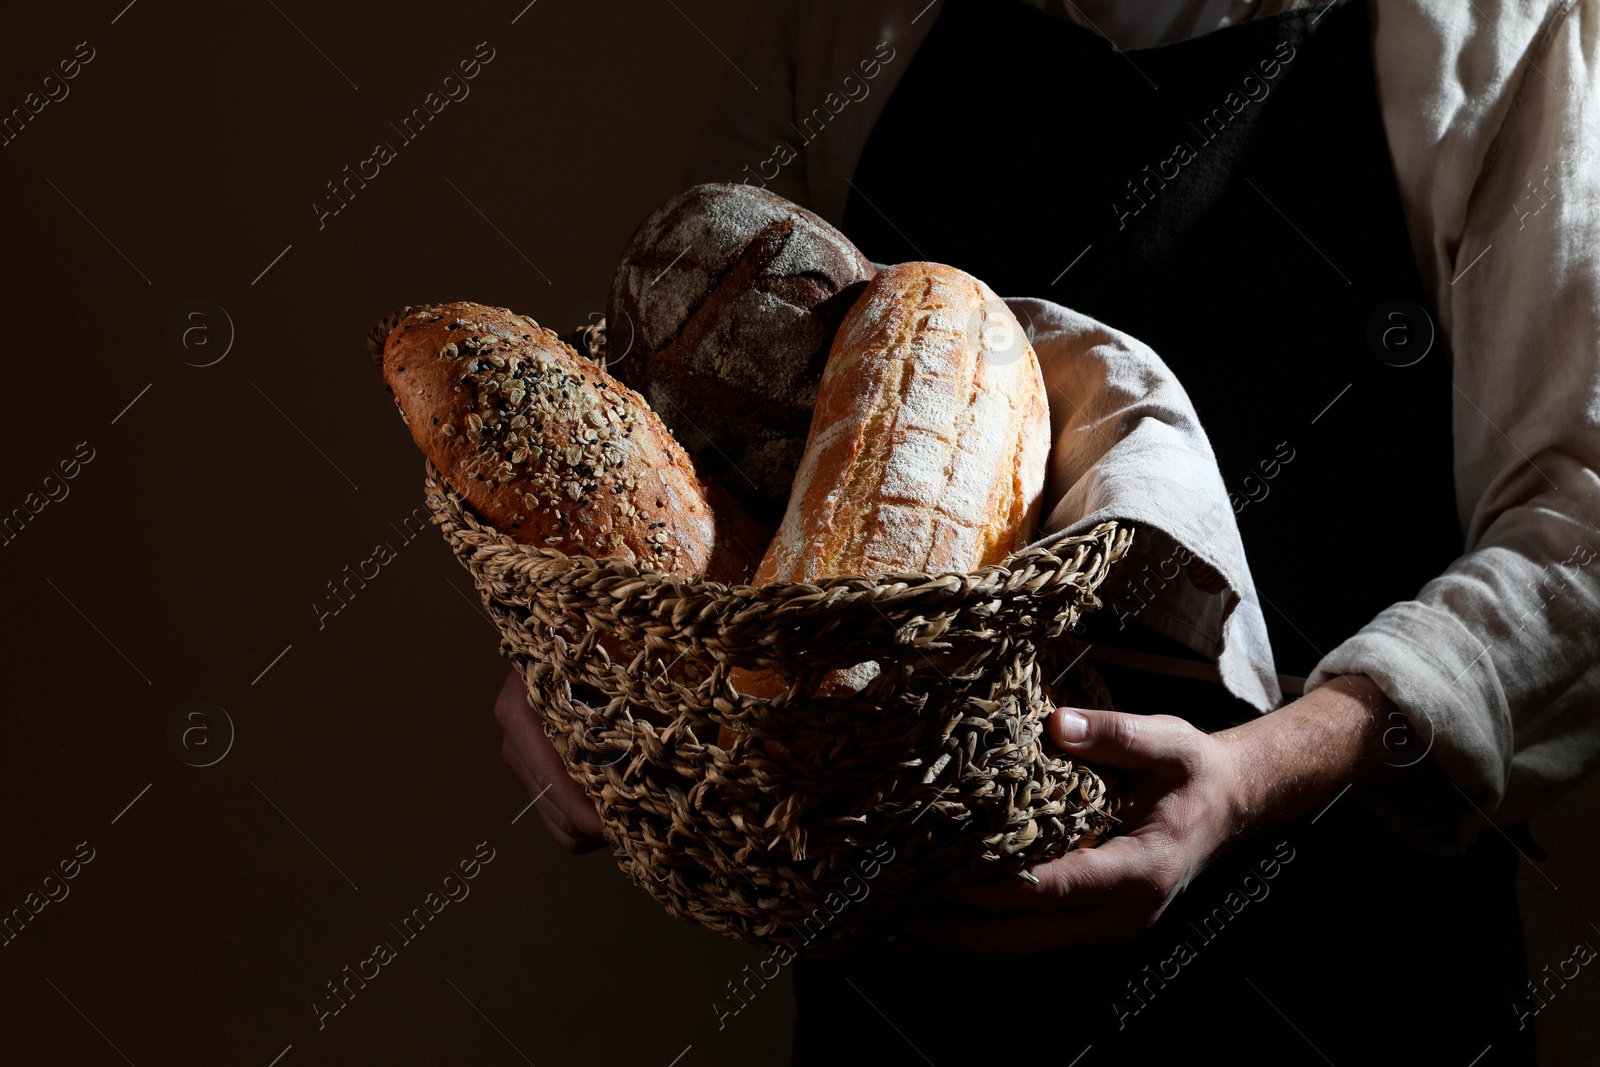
point(1118, 739)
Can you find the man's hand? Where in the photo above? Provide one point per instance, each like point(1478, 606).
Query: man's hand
point(1189, 796)
point(567, 812)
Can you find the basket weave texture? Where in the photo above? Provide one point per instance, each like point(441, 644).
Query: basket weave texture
point(828, 811)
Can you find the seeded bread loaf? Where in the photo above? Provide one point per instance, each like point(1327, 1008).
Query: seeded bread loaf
point(552, 451)
point(927, 451)
point(721, 315)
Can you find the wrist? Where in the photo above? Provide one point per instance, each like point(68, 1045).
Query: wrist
point(1303, 755)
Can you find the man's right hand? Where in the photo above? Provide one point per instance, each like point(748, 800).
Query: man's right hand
point(566, 809)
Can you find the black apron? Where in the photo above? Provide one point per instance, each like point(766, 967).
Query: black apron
point(1230, 201)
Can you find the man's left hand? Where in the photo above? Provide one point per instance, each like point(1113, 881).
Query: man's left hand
point(1187, 796)
point(1178, 813)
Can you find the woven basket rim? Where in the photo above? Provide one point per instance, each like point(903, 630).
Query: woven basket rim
point(467, 522)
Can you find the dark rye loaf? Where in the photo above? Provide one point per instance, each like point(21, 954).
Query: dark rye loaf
point(731, 296)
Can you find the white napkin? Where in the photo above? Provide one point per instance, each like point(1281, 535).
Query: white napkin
point(1127, 445)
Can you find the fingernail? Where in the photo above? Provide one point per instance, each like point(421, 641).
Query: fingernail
point(1070, 725)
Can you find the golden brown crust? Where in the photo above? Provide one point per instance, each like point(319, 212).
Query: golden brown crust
point(551, 450)
point(927, 451)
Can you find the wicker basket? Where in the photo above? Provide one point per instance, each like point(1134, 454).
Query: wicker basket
point(828, 810)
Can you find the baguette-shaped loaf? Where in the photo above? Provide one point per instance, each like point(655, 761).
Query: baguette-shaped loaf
point(928, 447)
point(552, 451)
point(927, 450)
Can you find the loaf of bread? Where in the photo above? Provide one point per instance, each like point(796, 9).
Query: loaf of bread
point(552, 451)
point(927, 450)
point(721, 315)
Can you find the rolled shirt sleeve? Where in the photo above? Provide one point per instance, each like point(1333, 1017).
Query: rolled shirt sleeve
point(1496, 662)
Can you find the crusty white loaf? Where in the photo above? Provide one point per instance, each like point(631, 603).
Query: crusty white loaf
point(554, 452)
point(927, 450)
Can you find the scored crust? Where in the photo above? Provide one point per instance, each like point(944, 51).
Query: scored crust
point(731, 295)
point(927, 451)
point(552, 451)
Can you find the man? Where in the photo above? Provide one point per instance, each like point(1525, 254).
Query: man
point(1363, 237)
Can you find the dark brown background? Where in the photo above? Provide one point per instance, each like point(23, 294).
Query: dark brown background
point(190, 550)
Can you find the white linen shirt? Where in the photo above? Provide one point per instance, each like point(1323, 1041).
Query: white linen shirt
point(1492, 114)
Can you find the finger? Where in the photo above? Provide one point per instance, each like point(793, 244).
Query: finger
point(556, 823)
point(514, 761)
point(1118, 739)
point(524, 731)
point(559, 821)
point(553, 816)
point(1021, 933)
point(577, 845)
point(1120, 870)
point(511, 703)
